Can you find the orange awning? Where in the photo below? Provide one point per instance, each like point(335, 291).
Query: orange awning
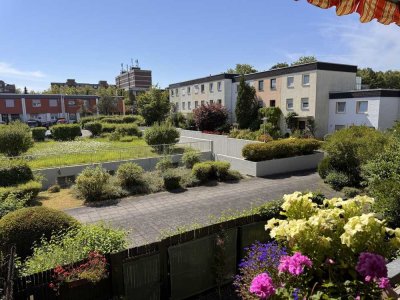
point(385, 11)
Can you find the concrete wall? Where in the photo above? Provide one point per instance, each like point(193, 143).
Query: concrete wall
point(51, 174)
point(389, 112)
point(274, 166)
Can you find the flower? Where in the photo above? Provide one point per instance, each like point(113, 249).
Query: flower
point(384, 283)
point(262, 286)
point(371, 266)
point(294, 264)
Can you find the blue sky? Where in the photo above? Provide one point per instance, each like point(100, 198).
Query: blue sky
point(52, 40)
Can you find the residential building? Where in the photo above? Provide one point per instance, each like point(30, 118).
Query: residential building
point(7, 88)
point(378, 108)
point(73, 83)
point(48, 108)
point(134, 79)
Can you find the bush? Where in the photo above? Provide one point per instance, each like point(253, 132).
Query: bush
point(210, 117)
point(29, 190)
point(128, 129)
point(108, 128)
point(26, 226)
point(190, 158)
point(265, 138)
point(337, 180)
point(12, 203)
point(233, 175)
point(244, 134)
point(55, 188)
point(94, 127)
point(324, 167)
point(203, 171)
point(39, 134)
point(221, 169)
point(126, 139)
point(85, 120)
point(350, 192)
point(14, 172)
point(279, 149)
point(114, 137)
point(171, 180)
point(162, 134)
point(91, 184)
point(15, 139)
point(130, 174)
point(65, 132)
point(164, 164)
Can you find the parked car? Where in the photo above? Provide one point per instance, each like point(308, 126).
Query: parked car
point(33, 123)
point(2, 123)
point(62, 121)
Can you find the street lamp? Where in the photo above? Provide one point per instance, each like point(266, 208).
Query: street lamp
point(264, 125)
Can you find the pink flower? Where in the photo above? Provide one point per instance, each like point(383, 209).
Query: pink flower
point(262, 286)
point(294, 264)
point(371, 266)
point(384, 283)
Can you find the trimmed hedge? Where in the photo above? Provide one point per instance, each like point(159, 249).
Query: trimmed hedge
point(94, 127)
point(26, 226)
point(211, 170)
point(130, 174)
point(163, 134)
point(172, 180)
point(13, 172)
point(122, 129)
point(65, 132)
point(39, 134)
point(30, 188)
point(280, 149)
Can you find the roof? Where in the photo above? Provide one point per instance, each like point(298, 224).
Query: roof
point(365, 94)
point(204, 79)
point(46, 96)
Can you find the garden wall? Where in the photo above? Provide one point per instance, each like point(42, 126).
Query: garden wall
point(274, 166)
point(57, 175)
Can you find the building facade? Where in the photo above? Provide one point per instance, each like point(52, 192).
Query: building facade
point(73, 83)
point(379, 108)
point(48, 108)
point(134, 79)
point(7, 88)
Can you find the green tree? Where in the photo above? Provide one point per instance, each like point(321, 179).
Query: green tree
point(246, 106)
point(107, 105)
point(153, 105)
point(304, 60)
point(242, 69)
point(279, 65)
point(15, 139)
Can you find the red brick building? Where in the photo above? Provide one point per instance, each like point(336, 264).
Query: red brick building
point(47, 108)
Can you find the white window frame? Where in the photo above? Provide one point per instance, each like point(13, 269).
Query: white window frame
point(219, 86)
point(202, 88)
point(53, 103)
point(177, 92)
point(202, 102)
point(188, 90)
point(358, 104)
point(305, 100)
point(196, 89)
point(10, 103)
point(272, 86)
point(337, 107)
point(189, 105)
point(211, 101)
point(71, 102)
point(219, 101)
point(211, 87)
point(172, 93)
point(183, 91)
point(183, 105)
point(290, 86)
point(196, 104)
point(36, 103)
point(302, 80)
point(287, 104)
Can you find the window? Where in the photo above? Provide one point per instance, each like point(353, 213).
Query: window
point(53, 102)
point(196, 89)
point(176, 92)
point(362, 107)
point(211, 87)
point(340, 107)
point(202, 88)
point(273, 84)
point(338, 127)
point(272, 103)
point(183, 106)
point(189, 105)
point(177, 106)
point(219, 86)
point(211, 101)
point(306, 79)
point(196, 104)
point(305, 104)
point(188, 90)
point(290, 82)
point(10, 103)
point(260, 103)
point(289, 104)
point(219, 101)
point(202, 102)
point(172, 93)
point(183, 91)
point(36, 103)
point(261, 85)
point(71, 103)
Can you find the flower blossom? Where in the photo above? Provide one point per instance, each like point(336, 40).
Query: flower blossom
point(372, 265)
point(294, 264)
point(262, 286)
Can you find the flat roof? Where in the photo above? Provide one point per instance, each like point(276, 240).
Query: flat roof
point(365, 93)
point(203, 79)
point(46, 96)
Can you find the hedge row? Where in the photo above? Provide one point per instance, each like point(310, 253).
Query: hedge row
point(123, 129)
point(207, 170)
point(13, 172)
point(30, 188)
point(280, 149)
point(113, 119)
point(66, 132)
point(39, 134)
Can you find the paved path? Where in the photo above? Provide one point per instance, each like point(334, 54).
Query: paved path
point(148, 217)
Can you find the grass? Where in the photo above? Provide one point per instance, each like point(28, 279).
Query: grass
point(65, 199)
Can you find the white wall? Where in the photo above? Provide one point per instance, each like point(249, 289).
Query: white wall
point(389, 112)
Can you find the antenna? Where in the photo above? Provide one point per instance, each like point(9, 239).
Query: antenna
point(131, 62)
point(122, 67)
point(127, 67)
point(137, 63)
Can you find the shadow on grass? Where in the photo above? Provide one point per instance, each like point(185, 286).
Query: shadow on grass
point(103, 203)
point(289, 175)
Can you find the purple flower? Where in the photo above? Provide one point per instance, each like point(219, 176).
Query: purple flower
point(262, 286)
point(294, 264)
point(371, 266)
point(384, 283)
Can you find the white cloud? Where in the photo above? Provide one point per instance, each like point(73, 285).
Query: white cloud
point(7, 70)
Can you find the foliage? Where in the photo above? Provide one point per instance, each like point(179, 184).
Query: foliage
point(39, 134)
point(85, 120)
point(242, 69)
point(153, 105)
point(244, 134)
point(128, 129)
point(280, 149)
point(26, 226)
point(246, 109)
point(337, 180)
point(65, 132)
point(28, 190)
point(129, 174)
point(350, 192)
point(74, 245)
point(221, 169)
point(304, 60)
point(107, 105)
point(209, 170)
point(94, 127)
point(279, 65)
point(55, 188)
point(210, 117)
point(324, 167)
point(311, 126)
point(177, 119)
point(12, 203)
point(190, 158)
point(15, 139)
point(14, 172)
point(291, 120)
point(164, 164)
point(171, 179)
point(379, 79)
point(273, 115)
point(270, 129)
point(161, 134)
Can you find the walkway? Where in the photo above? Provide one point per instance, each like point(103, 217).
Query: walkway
point(148, 217)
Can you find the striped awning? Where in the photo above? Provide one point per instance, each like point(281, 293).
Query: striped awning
point(385, 11)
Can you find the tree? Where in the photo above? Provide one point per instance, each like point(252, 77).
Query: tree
point(210, 117)
point(153, 105)
point(279, 65)
point(107, 105)
point(304, 60)
point(385, 80)
point(242, 69)
point(246, 106)
point(15, 139)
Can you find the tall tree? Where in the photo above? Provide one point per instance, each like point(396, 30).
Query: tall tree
point(107, 105)
point(279, 65)
point(246, 106)
point(153, 105)
point(304, 60)
point(242, 69)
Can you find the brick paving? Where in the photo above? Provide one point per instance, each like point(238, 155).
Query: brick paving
point(148, 217)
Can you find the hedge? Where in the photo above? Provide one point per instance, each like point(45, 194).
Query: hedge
point(30, 188)
point(39, 134)
point(211, 170)
point(66, 132)
point(280, 149)
point(94, 127)
point(123, 129)
point(13, 172)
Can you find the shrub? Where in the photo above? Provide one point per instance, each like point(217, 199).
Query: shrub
point(12, 203)
point(244, 134)
point(26, 226)
point(337, 180)
point(271, 130)
point(221, 169)
point(130, 174)
point(265, 138)
point(233, 175)
point(350, 192)
point(164, 164)
point(203, 171)
point(39, 134)
point(15, 139)
point(114, 137)
point(128, 129)
point(29, 190)
point(55, 188)
point(108, 128)
point(190, 158)
point(161, 134)
point(126, 139)
point(177, 119)
point(14, 172)
point(279, 149)
point(210, 117)
point(92, 182)
point(324, 167)
point(65, 132)
point(85, 120)
point(171, 180)
point(94, 127)
point(212, 170)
